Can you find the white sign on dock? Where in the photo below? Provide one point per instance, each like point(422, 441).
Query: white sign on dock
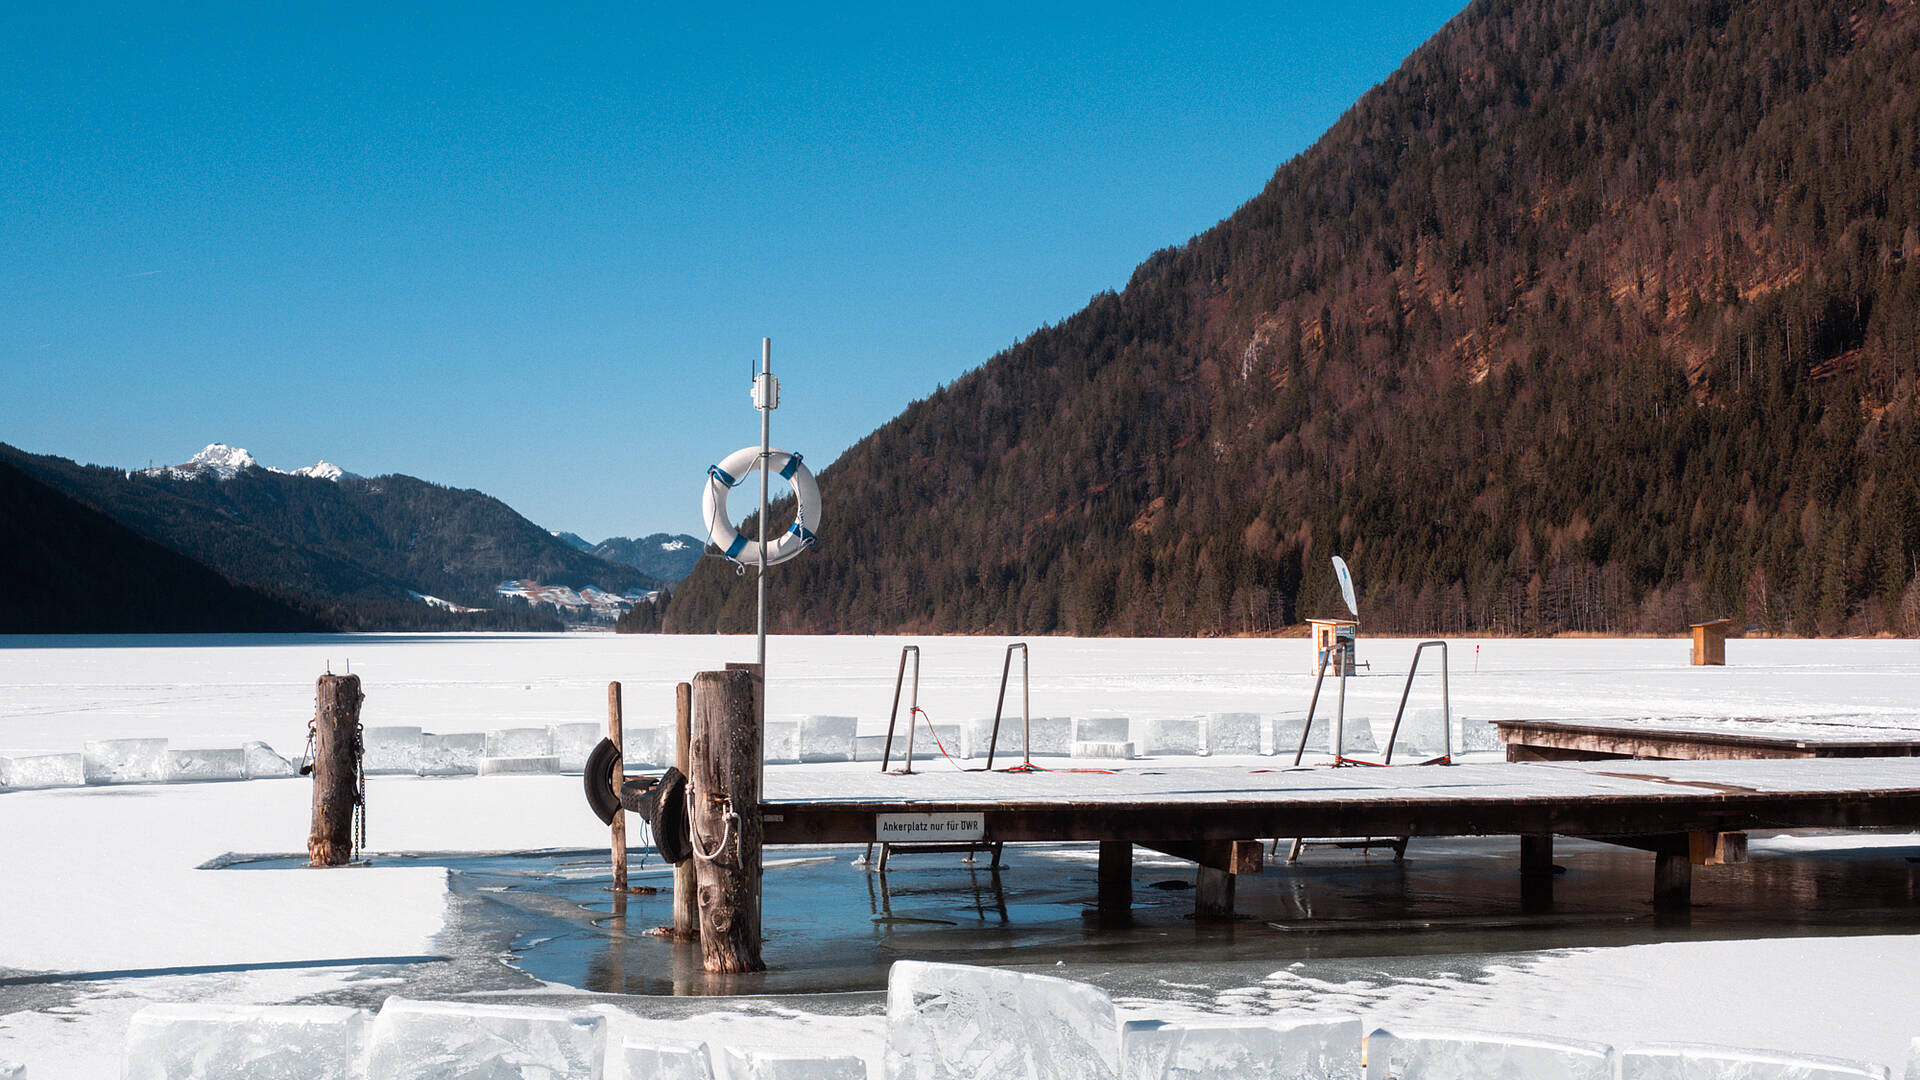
point(929, 828)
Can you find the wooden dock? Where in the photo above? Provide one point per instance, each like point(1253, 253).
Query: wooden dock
point(1686, 812)
point(1601, 740)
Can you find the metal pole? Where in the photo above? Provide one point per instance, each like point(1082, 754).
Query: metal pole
point(766, 449)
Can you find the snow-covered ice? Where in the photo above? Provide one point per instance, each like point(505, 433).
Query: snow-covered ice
point(958, 1022)
point(756, 1063)
point(432, 1040)
point(257, 1042)
point(654, 1058)
point(1471, 1055)
point(1249, 1048)
point(125, 761)
point(1694, 1062)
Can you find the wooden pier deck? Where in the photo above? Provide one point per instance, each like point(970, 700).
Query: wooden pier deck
point(1596, 740)
point(1686, 812)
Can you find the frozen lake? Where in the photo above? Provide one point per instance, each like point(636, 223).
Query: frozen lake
point(1809, 948)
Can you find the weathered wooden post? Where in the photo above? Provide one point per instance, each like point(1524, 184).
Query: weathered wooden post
point(616, 734)
point(336, 769)
point(723, 808)
point(686, 902)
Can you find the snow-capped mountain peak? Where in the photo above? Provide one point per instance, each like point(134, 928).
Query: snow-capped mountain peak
point(226, 462)
point(324, 470)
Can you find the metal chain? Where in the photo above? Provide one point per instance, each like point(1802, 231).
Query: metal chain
point(359, 789)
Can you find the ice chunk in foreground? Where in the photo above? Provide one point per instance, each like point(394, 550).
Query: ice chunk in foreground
point(1468, 1055)
point(259, 1042)
point(793, 1065)
point(1913, 1060)
point(1251, 1048)
point(12, 1070)
point(1422, 735)
point(125, 761)
point(957, 1022)
point(262, 763)
point(645, 1058)
point(519, 742)
point(827, 738)
point(1233, 733)
point(452, 755)
point(1051, 735)
point(1678, 1062)
point(1172, 735)
point(190, 765)
point(431, 1040)
point(782, 745)
point(573, 742)
point(1107, 729)
point(391, 750)
point(1476, 735)
point(29, 771)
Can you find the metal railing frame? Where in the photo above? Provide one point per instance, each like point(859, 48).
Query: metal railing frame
point(899, 680)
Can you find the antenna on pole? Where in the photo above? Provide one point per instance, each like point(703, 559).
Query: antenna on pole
point(766, 398)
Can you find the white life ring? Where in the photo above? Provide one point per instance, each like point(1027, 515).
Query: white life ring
point(730, 473)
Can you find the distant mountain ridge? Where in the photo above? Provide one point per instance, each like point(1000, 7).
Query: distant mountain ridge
point(1595, 316)
point(69, 569)
point(355, 552)
point(668, 557)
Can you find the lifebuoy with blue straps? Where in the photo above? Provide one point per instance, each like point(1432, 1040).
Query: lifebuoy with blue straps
point(731, 473)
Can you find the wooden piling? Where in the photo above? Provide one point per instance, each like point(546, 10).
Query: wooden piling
point(1212, 895)
point(336, 719)
point(724, 809)
point(686, 902)
point(1116, 881)
point(1672, 879)
point(616, 731)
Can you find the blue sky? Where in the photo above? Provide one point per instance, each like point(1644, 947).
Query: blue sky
point(532, 250)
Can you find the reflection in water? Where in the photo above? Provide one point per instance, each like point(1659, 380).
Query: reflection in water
point(832, 925)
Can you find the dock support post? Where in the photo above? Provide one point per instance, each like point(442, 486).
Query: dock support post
point(723, 804)
point(616, 733)
point(336, 729)
point(1212, 895)
point(1672, 880)
point(1116, 881)
point(686, 903)
point(1536, 871)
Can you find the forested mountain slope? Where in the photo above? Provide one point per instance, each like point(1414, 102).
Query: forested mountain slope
point(1596, 315)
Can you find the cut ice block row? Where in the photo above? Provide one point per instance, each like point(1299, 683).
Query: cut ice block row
point(1010, 743)
point(1262, 1048)
point(950, 736)
point(869, 747)
point(125, 761)
point(647, 747)
point(391, 751)
point(518, 766)
point(192, 765)
point(1108, 729)
point(782, 745)
point(571, 743)
point(1286, 734)
point(434, 1039)
point(26, 772)
point(1357, 735)
point(827, 738)
point(262, 763)
point(260, 1042)
point(1233, 733)
point(521, 742)
point(1677, 1062)
point(12, 1070)
point(1913, 1060)
point(1171, 735)
point(748, 1064)
point(1467, 1055)
point(646, 1058)
point(1476, 735)
point(458, 754)
point(1116, 751)
point(956, 1022)
point(1050, 735)
point(1422, 735)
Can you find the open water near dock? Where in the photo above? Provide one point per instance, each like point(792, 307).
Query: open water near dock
point(833, 925)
